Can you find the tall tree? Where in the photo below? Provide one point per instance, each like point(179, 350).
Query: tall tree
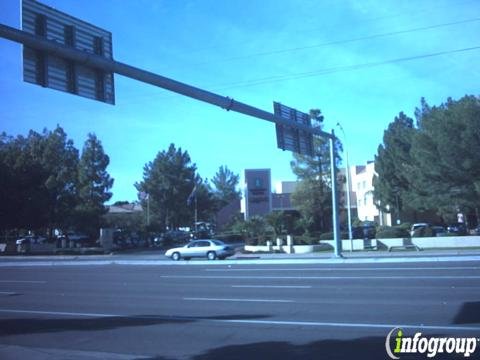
point(445, 174)
point(391, 183)
point(39, 179)
point(206, 201)
point(18, 182)
point(94, 184)
point(169, 180)
point(313, 194)
point(226, 182)
point(59, 159)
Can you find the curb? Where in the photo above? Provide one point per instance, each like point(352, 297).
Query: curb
point(258, 261)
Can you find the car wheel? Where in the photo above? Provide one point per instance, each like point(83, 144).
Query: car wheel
point(176, 256)
point(211, 255)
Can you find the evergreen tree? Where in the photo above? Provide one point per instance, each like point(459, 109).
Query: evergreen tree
point(57, 161)
point(226, 182)
point(445, 174)
point(94, 184)
point(169, 180)
point(391, 184)
point(313, 195)
point(207, 204)
point(38, 180)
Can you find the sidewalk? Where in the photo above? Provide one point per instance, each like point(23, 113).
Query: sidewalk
point(368, 254)
point(158, 258)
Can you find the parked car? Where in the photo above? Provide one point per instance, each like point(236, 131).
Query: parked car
point(439, 231)
point(365, 231)
point(457, 229)
point(24, 244)
point(173, 236)
point(31, 239)
point(211, 249)
point(75, 239)
point(418, 226)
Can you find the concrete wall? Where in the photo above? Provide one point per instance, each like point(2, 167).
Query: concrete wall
point(295, 249)
point(422, 243)
point(452, 242)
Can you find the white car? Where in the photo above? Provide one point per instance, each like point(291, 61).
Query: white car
point(415, 227)
point(211, 249)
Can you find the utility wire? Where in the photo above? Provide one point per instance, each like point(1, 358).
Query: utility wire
point(428, 10)
point(339, 42)
point(326, 71)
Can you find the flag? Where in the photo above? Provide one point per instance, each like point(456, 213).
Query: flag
point(192, 195)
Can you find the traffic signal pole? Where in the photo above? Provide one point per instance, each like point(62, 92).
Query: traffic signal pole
point(96, 61)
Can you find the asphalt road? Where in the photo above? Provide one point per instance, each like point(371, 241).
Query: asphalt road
point(326, 311)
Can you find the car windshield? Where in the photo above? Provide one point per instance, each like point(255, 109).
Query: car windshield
point(218, 242)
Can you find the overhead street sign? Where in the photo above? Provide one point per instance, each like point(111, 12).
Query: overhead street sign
point(54, 71)
point(291, 137)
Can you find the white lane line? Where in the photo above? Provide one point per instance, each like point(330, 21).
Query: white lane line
point(7, 293)
point(23, 281)
point(348, 269)
point(440, 277)
point(238, 300)
point(273, 286)
point(352, 325)
point(255, 322)
point(59, 313)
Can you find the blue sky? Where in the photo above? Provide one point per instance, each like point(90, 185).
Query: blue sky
point(304, 54)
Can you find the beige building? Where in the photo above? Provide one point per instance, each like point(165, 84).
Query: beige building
point(361, 194)
point(361, 178)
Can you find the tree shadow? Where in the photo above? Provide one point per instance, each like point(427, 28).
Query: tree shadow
point(329, 349)
point(469, 313)
point(33, 326)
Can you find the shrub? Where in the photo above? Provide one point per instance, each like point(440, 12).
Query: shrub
point(230, 237)
point(424, 232)
point(329, 235)
point(405, 226)
point(388, 232)
point(306, 240)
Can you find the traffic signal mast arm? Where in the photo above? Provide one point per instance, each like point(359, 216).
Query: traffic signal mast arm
point(107, 65)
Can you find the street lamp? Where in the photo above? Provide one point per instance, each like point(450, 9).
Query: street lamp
point(349, 211)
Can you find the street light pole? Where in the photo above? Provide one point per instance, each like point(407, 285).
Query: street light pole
point(337, 239)
point(349, 211)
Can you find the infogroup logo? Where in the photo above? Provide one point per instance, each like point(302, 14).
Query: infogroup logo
point(429, 346)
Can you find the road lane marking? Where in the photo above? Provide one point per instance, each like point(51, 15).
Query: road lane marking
point(273, 286)
point(251, 322)
point(282, 261)
point(348, 269)
point(351, 325)
point(238, 300)
point(23, 281)
point(440, 277)
point(58, 313)
point(8, 293)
